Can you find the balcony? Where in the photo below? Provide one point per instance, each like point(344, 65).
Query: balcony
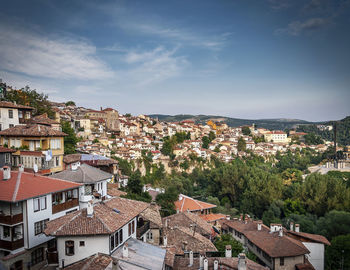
point(64, 206)
point(11, 220)
point(12, 245)
point(143, 229)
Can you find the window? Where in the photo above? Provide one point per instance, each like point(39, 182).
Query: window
point(10, 113)
point(0, 127)
point(36, 204)
point(6, 231)
point(129, 229)
point(69, 248)
point(282, 261)
point(120, 236)
point(7, 158)
point(149, 236)
point(112, 242)
point(57, 198)
point(69, 195)
point(11, 125)
point(39, 203)
point(55, 143)
point(17, 265)
point(43, 203)
point(20, 114)
point(82, 243)
point(37, 256)
point(40, 226)
point(57, 161)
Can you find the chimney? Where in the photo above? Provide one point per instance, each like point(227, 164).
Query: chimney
point(297, 227)
point(280, 233)
point(241, 217)
point(259, 225)
point(166, 223)
point(216, 265)
point(228, 217)
point(7, 173)
point(38, 128)
point(241, 262)
point(246, 219)
point(21, 168)
point(201, 261)
point(165, 241)
point(125, 250)
point(228, 251)
point(90, 209)
point(291, 226)
point(184, 245)
point(191, 258)
point(205, 263)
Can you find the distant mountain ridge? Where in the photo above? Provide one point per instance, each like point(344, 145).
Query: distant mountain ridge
point(272, 124)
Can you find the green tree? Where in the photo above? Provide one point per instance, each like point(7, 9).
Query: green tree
point(338, 253)
point(241, 145)
point(246, 131)
point(70, 141)
point(205, 142)
point(211, 136)
point(226, 239)
point(134, 183)
point(167, 199)
point(70, 103)
point(334, 223)
point(29, 97)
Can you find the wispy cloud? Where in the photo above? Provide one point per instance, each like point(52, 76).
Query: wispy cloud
point(30, 53)
point(155, 65)
point(280, 4)
point(296, 28)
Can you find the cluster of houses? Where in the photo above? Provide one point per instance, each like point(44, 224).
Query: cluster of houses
point(107, 133)
point(60, 211)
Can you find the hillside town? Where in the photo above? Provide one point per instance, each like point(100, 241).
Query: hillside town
point(69, 211)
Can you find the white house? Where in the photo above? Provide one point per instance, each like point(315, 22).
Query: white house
point(103, 227)
point(12, 114)
point(27, 202)
point(94, 181)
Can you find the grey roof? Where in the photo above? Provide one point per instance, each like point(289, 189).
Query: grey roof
point(141, 256)
point(83, 174)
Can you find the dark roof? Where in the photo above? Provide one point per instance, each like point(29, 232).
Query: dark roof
point(32, 131)
point(105, 220)
point(227, 263)
point(7, 104)
point(23, 185)
point(83, 174)
point(43, 119)
point(97, 261)
point(6, 150)
point(312, 237)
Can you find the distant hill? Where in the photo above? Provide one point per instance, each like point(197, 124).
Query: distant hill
point(343, 131)
point(272, 124)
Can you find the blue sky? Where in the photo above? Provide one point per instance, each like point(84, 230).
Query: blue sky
point(238, 58)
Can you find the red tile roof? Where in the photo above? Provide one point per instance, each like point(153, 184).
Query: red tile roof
point(212, 217)
point(6, 150)
point(32, 131)
point(22, 186)
point(187, 203)
point(313, 237)
point(6, 104)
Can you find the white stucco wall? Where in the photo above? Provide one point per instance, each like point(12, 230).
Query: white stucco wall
point(316, 256)
point(33, 240)
point(5, 121)
point(93, 245)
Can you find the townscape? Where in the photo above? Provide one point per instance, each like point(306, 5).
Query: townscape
point(66, 199)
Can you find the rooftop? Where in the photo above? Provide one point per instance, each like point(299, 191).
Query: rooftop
point(22, 186)
point(187, 203)
point(83, 174)
point(97, 261)
point(32, 131)
point(7, 104)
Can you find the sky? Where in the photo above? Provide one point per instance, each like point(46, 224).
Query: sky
point(249, 59)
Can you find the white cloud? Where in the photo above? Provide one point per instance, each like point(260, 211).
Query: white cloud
point(155, 65)
point(30, 53)
point(295, 28)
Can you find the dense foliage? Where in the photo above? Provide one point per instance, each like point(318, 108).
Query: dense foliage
point(31, 98)
point(70, 141)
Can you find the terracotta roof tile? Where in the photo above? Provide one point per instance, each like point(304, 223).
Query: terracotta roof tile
point(97, 261)
point(32, 131)
point(6, 150)
point(310, 236)
point(29, 186)
point(6, 104)
point(108, 217)
point(187, 203)
point(212, 217)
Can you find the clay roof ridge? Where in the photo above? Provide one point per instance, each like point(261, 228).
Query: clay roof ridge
point(64, 224)
point(182, 205)
point(18, 182)
point(89, 262)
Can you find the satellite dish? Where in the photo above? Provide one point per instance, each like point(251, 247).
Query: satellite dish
point(35, 168)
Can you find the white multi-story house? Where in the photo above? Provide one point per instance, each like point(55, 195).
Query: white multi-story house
point(12, 114)
point(103, 227)
point(27, 202)
point(93, 180)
